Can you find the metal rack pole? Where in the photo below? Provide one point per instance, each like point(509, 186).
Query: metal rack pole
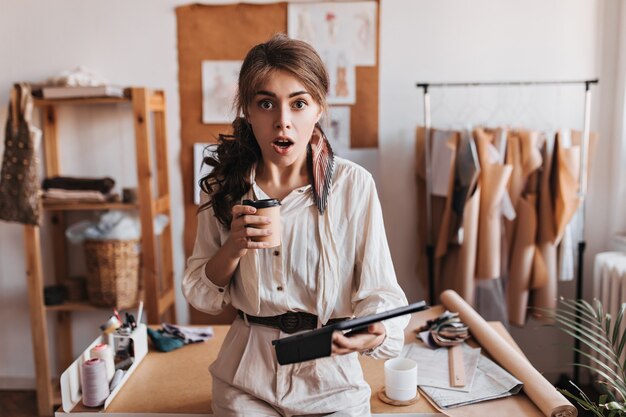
point(430, 252)
point(582, 191)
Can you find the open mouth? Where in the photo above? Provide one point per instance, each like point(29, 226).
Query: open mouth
point(282, 145)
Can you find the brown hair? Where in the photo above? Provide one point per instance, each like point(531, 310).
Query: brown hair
point(236, 154)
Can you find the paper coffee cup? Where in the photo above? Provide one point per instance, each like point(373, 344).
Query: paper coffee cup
point(401, 379)
point(269, 208)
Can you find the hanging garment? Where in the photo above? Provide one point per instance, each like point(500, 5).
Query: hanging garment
point(443, 146)
point(567, 199)
point(493, 179)
point(19, 181)
point(545, 257)
point(458, 269)
point(500, 263)
point(523, 154)
point(565, 183)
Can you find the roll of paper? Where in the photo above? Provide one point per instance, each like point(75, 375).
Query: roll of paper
point(541, 392)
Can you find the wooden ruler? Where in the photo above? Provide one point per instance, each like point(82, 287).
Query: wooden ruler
point(455, 364)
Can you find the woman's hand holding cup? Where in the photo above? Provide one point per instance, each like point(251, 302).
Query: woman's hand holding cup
point(245, 229)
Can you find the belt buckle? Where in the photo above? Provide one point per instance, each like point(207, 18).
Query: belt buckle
point(290, 322)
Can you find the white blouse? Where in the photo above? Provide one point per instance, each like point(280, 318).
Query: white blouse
point(335, 264)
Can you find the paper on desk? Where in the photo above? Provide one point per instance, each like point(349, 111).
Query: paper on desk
point(490, 382)
point(433, 369)
point(540, 391)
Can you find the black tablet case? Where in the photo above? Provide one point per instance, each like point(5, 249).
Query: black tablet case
point(318, 343)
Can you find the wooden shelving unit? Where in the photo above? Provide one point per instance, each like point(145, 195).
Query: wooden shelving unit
point(157, 264)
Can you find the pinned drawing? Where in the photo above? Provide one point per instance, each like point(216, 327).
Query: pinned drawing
point(336, 124)
point(219, 86)
point(331, 26)
point(342, 76)
point(306, 30)
point(349, 26)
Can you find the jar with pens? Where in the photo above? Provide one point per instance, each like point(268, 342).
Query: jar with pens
point(119, 334)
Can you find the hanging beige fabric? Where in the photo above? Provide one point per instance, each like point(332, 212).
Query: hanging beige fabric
point(546, 295)
point(524, 155)
point(522, 260)
point(451, 140)
point(459, 265)
point(493, 179)
point(437, 208)
point(443, 146)
point(19, 181)
point(566, 166)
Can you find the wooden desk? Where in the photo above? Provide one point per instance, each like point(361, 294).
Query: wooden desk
point(179, 382)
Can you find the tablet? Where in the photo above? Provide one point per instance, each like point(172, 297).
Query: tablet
point(318, 343)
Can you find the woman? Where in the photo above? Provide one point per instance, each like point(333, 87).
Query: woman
point(333, 262)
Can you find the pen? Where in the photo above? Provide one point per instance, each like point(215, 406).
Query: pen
point(117, 315)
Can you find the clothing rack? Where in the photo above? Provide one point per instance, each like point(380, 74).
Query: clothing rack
point(582, 180)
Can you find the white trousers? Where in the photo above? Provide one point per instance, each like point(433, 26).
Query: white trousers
point(248, 381)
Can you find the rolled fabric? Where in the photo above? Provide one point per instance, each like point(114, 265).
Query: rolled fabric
point(541, 392)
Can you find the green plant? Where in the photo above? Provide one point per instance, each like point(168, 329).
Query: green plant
point(601, 334)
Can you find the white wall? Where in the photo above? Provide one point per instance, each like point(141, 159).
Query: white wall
point(134, 43)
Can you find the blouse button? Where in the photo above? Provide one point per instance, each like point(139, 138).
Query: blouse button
point(220, 289)
point(276, 253)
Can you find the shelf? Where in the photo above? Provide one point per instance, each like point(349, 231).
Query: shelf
point(78, 206)
point(76, 306)
point(157, 271)
point(82, 306)
point(42, 102)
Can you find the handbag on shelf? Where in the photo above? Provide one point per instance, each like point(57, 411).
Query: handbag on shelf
point(19, 177)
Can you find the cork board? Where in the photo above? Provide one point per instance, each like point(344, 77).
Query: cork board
point(227, 32)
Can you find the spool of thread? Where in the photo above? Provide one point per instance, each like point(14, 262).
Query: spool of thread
point(94, 383)
point(104, 352)
point(117, 378)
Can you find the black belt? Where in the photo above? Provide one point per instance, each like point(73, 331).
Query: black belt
point(289, 322)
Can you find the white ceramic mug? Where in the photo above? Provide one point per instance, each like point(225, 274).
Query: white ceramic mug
point(401, 379)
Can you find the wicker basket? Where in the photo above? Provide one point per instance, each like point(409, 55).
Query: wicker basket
point(112, 272)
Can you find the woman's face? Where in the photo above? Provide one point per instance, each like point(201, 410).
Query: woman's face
point(282, 115)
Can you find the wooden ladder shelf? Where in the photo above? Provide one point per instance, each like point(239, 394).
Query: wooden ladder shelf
point(157, 269)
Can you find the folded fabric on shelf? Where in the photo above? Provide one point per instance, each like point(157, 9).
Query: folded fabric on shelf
point(103, 185)
point(61, 195)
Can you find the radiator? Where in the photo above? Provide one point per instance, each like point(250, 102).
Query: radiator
point(609, 286)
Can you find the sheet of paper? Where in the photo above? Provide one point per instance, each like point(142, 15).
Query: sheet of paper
point(432, 365)
point(341, 74)
point(336, 125)
point(219, 87)
point(490, 382)
point(337, 25)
